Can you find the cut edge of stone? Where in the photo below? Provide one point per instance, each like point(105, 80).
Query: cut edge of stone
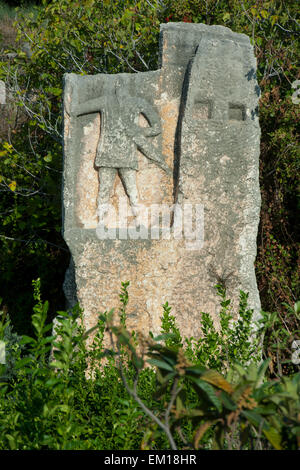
point(201, 27)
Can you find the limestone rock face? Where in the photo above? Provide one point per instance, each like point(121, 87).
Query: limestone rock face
point(161, 181)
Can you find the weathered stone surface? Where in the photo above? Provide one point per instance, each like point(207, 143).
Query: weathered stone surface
point(189, 134)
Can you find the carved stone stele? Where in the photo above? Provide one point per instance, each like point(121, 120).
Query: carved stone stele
point(183, 140)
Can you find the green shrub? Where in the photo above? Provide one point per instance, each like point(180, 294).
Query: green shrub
point(242, 411)
point(279, 339)
point(234, 342)
point(140, 393)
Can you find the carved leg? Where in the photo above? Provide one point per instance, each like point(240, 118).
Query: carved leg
point(128, 178)
point(106, 179)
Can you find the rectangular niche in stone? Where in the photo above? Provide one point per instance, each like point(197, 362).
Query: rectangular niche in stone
point(237, 112)
point(147, 153)
point(202, 109)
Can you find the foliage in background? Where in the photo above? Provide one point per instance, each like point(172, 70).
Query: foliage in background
point(280, 342)
point(147, 395)
point(91, 36)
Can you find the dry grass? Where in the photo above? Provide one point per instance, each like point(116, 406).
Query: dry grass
point(8, 33)
point(8, 16)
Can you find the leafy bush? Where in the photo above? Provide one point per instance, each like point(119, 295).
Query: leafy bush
point(13, 349)
point(279, 339)
point(234, 342)
point(139, 393)
point(243, 410)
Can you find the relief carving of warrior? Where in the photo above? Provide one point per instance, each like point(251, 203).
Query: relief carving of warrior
point(120, 137)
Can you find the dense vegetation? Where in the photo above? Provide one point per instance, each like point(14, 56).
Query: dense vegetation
point(209, 393)
point(92, 36)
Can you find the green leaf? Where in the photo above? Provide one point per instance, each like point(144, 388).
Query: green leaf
point(23, 362)
point(228, 402)
point(226, 17)
point(48, 339)
point(26, 340)
point(252, 372)
point(297, 307)
point(274, 19)
point(273, 437)
point(264, 14)
point(255, 419)
point(265, 410)
point(261, 371)
point(124, 337)
point(52, 382)
point(88, 332)
point(241, 371)
point(160, 364)
point(164, 337)
point(210, 392)
point(47, 328)
point(201, 431)
point(195, 413)
point(167, 354)
point(179, 404)
point(11, 442)
point(137, 362)
point(58, 365)
point(12, 186)
point(216, 379)
point(64, 408)
point(165, 379)
point(196, 370)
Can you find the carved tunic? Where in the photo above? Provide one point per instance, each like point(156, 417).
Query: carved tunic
point(120, 133)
